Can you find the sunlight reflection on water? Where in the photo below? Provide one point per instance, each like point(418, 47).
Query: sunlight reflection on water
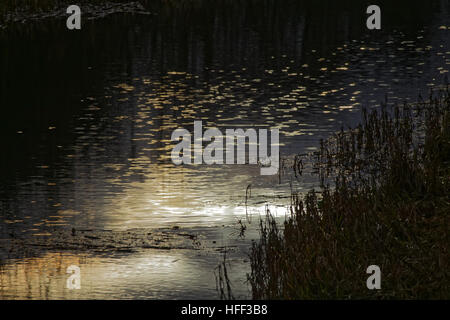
point(117, 173)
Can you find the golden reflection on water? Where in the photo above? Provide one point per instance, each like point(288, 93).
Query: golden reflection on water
point(152, 274)
point(38, 277)
point(118, 173)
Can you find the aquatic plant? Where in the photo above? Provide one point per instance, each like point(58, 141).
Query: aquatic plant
point(389, 206)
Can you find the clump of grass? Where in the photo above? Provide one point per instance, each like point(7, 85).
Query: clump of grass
point(389, 206)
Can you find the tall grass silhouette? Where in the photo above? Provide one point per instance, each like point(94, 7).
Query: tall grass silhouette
point(389, 206)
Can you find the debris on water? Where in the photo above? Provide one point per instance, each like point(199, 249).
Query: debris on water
point(109, 241)
point(89, 11)
point(92, 237)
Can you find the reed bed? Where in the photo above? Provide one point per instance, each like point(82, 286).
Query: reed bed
point(389, 206)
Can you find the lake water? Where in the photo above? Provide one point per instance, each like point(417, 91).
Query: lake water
point(88, 117)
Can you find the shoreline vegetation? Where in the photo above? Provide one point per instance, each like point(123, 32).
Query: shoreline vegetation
point(14, 7)
point(21, 11)
point(389, 206)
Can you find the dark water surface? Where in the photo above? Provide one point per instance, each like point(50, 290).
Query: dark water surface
point(88, 116)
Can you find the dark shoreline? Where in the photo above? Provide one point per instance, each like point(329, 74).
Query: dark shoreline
point(89, 12)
